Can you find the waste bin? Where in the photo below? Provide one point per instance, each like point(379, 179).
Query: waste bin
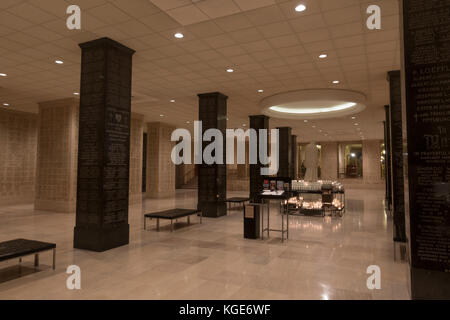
point(252, 221)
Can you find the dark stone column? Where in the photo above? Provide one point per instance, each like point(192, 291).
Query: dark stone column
point(398, 201)
point(104, 146)
point(256, 179)
point(293, 174)
point(212, 179)
point(427, 86)
point(387, 146)
point(285, 152)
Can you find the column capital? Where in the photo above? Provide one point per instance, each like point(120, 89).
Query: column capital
point(106, 42)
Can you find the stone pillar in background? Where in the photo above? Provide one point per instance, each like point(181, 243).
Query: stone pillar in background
point(293, 174)
point(56, 165)
point(329, 165)
point(385, 162)
point(387, 147)
point(426, 53)
point(104, 146)
point(212, 179)
point(256, 179)
point(398, 201)
point(285, 152)
point(371, 162)
point(136, 149)
point(160, 167)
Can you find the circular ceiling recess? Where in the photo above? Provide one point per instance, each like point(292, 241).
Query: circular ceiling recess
point(313, 104)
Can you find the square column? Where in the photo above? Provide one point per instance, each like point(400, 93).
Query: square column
point(426, 53)
point(136, 163)
point(212, 179)
point(160, 168)
point(396, 152)
point(104, 146)
point(329, 168)
point(257, 122)
point(285, 159)
point(293, 174)
point(387, 147)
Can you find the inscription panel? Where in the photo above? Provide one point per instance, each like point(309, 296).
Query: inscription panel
point(427, 79)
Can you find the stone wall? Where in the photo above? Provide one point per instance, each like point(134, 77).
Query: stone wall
point(57, 154)
point(56, 173)
point(18, 143)
point(160, 168)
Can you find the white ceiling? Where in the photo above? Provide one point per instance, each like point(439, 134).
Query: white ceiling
point(270, 46)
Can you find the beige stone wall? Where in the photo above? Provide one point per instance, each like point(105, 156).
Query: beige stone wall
point(18, 143)
point(57, 155)
point(136, 146)
point(160, 168)
point(372, 162)
point(329, 161)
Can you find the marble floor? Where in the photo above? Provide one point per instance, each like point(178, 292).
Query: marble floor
point(325, 258)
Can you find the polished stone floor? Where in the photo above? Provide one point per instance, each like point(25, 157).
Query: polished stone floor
point(325, 258)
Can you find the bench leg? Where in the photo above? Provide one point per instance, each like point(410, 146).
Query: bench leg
point(54, 259)
point(157, 224)
point(36, 260)
point(171, 225)
point(145, 223)
point(20, 260)
point(189, 219)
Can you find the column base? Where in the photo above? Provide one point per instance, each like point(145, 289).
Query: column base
point(400, 252)
point(213, 209)
point(101, 238)
point(429, 284)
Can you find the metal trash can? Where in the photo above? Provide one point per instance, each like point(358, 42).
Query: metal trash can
point(252, 222)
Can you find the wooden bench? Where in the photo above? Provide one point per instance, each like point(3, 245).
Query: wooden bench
point(238, 200)
point(19, 248)
point(171, 215)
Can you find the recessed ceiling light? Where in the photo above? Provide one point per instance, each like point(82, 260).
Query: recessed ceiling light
point(244, 125)
point(188, 122)
point(179, 35)
point(3, 74)
point(323, 56)
point(260, 90)
point(336, 82)
point(161, 115)
point(172, 100)
point(76, 93)
point(353, 118)
point(6, 104)
point(300, 8)
point(59, 61)
point(313, 126)
point(230, 70)
point(305, 121)
point(356, 124)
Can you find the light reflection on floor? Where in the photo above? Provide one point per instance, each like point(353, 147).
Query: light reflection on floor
point(325, 257)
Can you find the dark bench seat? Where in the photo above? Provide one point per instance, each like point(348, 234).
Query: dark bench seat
point(170, 215)
point(19, 248)
point(238, 200)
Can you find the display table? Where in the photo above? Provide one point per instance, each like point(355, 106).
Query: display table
point(19, 248)
point(171, 215)
point(280, 197)
point(332, 198)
